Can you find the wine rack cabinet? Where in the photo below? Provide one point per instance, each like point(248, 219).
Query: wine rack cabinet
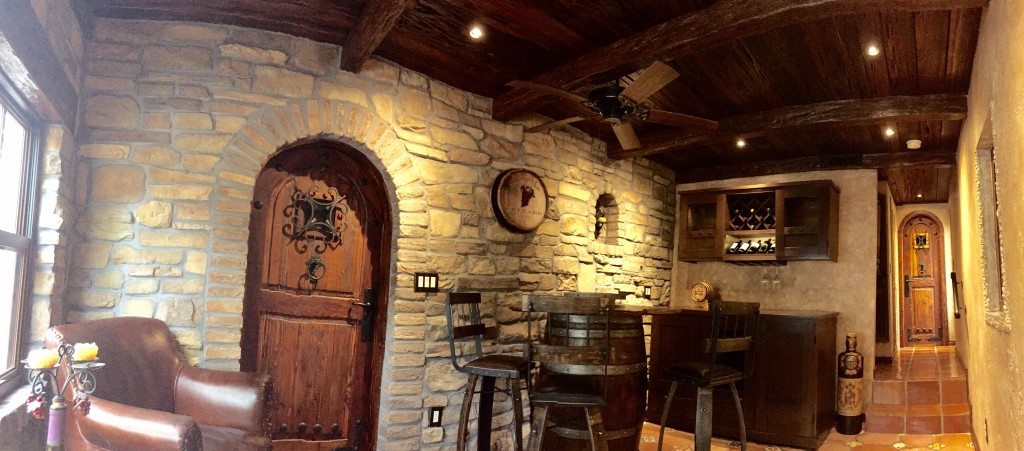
point(760, 224)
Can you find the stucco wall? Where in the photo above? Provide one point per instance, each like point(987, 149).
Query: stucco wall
point(179, 118)
point(996, 361)
point(846, 286)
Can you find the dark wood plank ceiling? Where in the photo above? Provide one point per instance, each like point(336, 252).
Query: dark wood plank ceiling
point(765, 56)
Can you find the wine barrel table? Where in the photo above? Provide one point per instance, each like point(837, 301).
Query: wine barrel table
point(626, 399)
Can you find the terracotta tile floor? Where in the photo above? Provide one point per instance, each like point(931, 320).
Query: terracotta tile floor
point(923, 391)
point(923, 386)
point(866, 441)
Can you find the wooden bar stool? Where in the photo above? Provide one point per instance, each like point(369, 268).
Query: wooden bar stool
point(465, 325)
point(733, 326)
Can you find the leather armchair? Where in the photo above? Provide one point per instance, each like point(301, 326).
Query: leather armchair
point(149, 397)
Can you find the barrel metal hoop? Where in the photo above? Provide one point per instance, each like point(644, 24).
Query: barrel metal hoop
point(583, 434)
point(582, 333)
point(595, 370)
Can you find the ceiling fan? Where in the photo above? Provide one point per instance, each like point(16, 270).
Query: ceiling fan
point(616, 105)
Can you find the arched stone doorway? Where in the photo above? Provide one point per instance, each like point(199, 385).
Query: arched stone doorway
point(315, 304)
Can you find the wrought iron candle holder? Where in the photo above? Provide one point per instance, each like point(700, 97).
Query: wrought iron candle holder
point(48, 391)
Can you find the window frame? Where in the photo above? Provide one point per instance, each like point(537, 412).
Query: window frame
point(25, 242)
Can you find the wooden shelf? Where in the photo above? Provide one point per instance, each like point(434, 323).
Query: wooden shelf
point(746, 233)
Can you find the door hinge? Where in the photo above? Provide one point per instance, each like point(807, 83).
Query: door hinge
point(355, 440)
point(910, 337)
point(937, 337)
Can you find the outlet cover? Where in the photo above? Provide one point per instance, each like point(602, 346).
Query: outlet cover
point(435, 416)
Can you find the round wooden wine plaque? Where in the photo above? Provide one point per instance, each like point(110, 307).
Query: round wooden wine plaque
point(520, 200)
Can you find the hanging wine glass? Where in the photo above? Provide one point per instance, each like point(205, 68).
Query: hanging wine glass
point(776, 281)
point(765, 280)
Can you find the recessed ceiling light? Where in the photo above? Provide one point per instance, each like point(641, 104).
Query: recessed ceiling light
point(476, 32)
point(741, 143)
point(873, 51)
point(913, 144)
point(919, 195)
point(889, 131)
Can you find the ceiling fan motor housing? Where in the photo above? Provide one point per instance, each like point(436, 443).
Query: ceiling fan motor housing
point(606, 101)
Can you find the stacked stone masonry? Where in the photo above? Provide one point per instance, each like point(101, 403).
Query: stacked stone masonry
point(179, 118)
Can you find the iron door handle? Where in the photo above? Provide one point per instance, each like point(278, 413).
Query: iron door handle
point(369, 312)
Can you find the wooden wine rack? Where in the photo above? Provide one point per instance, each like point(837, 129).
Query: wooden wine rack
point(800, 218)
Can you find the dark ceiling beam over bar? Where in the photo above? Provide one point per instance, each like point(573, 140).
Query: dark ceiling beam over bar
point(940, 107)
point(376, 21)
point(944, 158)
point(721, 22)
point(31, 45)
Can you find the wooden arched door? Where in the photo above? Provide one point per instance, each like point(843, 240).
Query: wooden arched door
point(923, 296)
point(314, 313)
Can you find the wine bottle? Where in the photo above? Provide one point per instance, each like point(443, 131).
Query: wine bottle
point(754, 248)
point(743, 248)
point(771, 248)
point(766, 246)
point(732, 249)
point(850, 405)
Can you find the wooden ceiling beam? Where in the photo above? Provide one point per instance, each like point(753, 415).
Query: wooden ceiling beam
point(721, 22)
point(35, 69)
point(882, 161)
point(374, 24)
point(941, 107)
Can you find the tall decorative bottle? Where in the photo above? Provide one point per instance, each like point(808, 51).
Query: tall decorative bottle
point(851, 388)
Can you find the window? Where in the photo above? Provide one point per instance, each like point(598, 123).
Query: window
point(17, 196)
point(992, 253)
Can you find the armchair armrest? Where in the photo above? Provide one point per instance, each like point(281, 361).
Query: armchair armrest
point(110, 425)
point(224, 398)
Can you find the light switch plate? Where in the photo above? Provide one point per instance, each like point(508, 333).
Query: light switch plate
point(647, 292)
point(425, 282)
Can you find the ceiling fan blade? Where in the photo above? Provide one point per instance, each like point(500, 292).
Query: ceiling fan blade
point(650, 81)
point(626, 135)
point(680, 120)
point(555, 124)
point(540, 87)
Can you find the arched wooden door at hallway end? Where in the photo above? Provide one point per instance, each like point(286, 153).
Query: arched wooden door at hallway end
point(923, 306)
point(314, 314)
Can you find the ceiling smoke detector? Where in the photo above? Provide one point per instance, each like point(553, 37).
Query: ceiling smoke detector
point(913, 144)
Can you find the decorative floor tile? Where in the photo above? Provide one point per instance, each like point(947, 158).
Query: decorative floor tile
point(937, 446)
point(853, 443)
point(899, 445)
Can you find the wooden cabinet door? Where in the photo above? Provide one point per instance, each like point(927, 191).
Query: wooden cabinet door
point(318, 250)
point(923, 268)
point(809, 221)
point(700, 227)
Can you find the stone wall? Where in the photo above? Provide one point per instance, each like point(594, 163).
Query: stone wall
point(178, 120)
point(995, 357)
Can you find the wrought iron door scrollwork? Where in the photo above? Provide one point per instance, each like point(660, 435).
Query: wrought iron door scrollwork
point(315, 221)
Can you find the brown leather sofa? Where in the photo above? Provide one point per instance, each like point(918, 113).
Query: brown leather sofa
point(148, 397)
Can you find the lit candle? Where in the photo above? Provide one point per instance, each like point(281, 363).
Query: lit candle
point(85, 351)
point(42, 358)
